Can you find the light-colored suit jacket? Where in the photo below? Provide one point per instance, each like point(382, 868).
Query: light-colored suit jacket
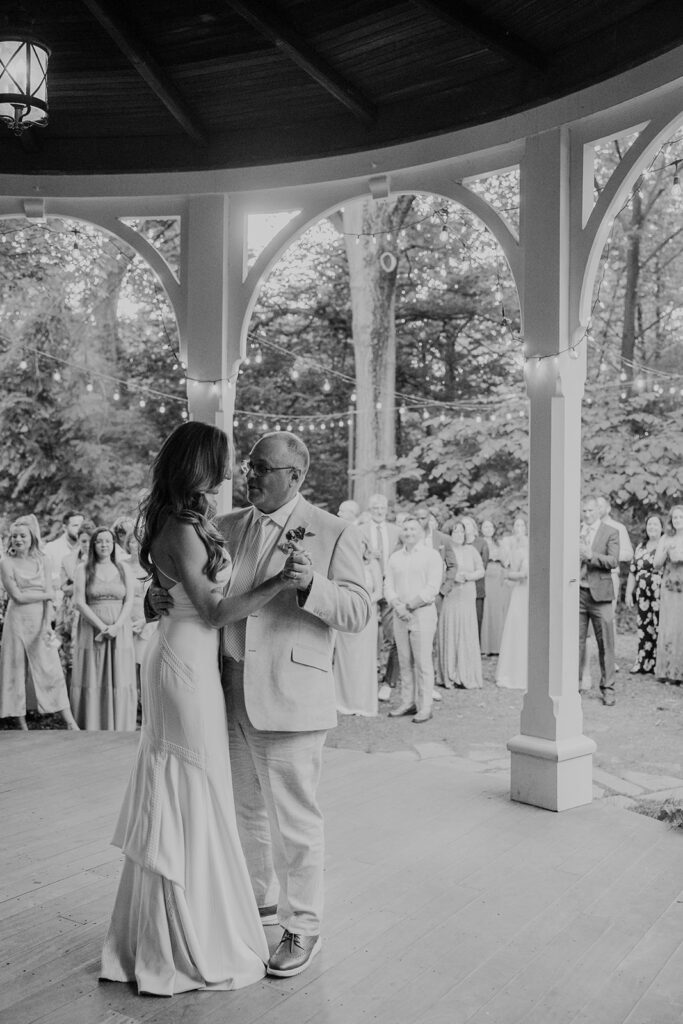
point(288, 681)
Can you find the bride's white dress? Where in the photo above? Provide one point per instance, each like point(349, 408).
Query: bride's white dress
point(185, 916)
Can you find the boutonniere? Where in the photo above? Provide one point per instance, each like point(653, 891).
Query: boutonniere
point(294, 537)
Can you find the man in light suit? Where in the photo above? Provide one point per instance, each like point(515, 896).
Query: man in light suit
point(279, 687)
point(384, 538)
point(599, 555)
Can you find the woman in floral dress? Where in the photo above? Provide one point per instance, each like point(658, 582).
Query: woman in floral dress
point(642, 593)
point(669, 557)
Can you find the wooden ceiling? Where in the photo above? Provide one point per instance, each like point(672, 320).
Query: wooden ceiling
point(143, 85)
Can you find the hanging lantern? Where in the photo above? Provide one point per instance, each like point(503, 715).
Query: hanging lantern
point(23, 83)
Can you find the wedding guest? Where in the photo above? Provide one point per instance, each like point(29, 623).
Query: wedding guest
point(512, 667)
point(497, 592)
point(642, 593)
point(383, 537)
point(349, 510)
point(411, 583)
point(122, 528)
point(599, 554)
point(625, 545)
point(30, 670)
point(458, 654)
point(355, 654)
point(479, 543)
point(669, 558)
point(103, 690)
point(142, 630)
point(65, 626)
point(57, 549)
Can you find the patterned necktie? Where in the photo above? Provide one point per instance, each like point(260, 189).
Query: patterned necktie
point(234, 633)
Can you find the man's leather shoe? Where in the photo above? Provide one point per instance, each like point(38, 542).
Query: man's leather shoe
point(293, 954)
point(268, 915)
point(422, 716)
point(608, 700)
point(402, 709)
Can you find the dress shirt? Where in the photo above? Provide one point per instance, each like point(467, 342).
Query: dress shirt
point(273, 525)
point(413, 576)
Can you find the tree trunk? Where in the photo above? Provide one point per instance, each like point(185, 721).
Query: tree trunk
point(371, 229)
point(628, 335)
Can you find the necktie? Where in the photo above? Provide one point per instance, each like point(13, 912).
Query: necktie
point(234, 633)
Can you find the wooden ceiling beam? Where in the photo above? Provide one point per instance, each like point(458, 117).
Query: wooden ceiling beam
point(273, 26)
point(464, 15)
point(148, 69)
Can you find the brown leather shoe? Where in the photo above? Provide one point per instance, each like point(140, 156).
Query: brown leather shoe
point(293, 955)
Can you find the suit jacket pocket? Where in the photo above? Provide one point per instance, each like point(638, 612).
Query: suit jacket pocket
point(311, 656)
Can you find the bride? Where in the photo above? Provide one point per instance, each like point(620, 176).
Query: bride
point(185, 916)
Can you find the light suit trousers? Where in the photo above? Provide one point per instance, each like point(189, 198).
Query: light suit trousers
point(415, 645)
point(275, 778)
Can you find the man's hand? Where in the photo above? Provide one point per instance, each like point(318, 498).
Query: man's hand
point(298, 569)
point(159, 599)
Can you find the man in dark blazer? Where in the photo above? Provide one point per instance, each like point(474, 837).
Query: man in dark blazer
point(599, 555)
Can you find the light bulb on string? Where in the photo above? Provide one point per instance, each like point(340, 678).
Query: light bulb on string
point(89, 386)
point(116, 396)
point(425, 414)
point(278, 427)
point(250, 425)
point(258, 358)
point(235, 422)
point(378, 406)
point(573, 352)
point(162, 408)
point(294, 374)
point(56, 375)
point(301, 428)
point(183, 414)
point(323, 427)
point(264, 426)
point(289, 428)
point(327, 387)
point(142, 403)
point(353, 396)
point(23, 365)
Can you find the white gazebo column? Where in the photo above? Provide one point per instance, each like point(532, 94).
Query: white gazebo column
point(551, 759)
point(204, 328)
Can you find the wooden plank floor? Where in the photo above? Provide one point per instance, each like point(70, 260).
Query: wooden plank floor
point(446, 902)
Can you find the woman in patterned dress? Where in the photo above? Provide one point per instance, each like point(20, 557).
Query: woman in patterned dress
point(669, 558)
point(642, 593)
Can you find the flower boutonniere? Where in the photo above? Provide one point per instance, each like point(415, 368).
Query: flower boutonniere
point(294, 537)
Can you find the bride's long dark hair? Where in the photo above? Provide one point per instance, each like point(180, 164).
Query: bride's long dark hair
point(193, 459)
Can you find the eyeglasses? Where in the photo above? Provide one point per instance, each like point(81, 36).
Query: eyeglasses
point(260, 469)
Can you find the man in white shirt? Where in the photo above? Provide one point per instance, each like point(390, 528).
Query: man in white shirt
point(412, 581)
point(383, 537)
point(65, 544)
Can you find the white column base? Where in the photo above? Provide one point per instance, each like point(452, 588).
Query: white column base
point(554, 774)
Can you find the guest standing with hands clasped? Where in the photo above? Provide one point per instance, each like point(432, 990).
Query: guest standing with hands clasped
point(669, 558)
point(103, 689)
point(279, 685)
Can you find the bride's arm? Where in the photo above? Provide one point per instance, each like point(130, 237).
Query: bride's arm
point(180, 551)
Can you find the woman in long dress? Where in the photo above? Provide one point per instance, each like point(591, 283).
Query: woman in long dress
point(512, 667)
point(669, 558)
point(458, 653)
point(185, 916)
point(355, 654)
point(497, 592)
point(642, 593)
point(103, 691)
point(31, 673)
